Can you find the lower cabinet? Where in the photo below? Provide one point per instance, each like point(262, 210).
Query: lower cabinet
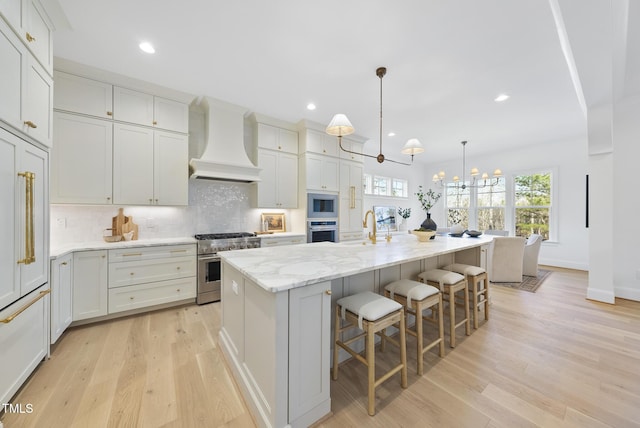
point(61, 295)
point(106, 282)
point(24, 329)
point(89, 284)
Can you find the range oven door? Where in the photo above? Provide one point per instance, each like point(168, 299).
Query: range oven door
point(208, 279)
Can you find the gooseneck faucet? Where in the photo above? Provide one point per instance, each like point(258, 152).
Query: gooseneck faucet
point(364, 224)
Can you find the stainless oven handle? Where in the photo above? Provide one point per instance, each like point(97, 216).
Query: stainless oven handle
point(210, 258)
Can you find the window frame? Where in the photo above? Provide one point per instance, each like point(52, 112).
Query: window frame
point(553, 188)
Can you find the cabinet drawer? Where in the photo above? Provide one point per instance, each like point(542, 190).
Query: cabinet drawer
point(276, 242)
point(139, 272)
point(143, 295)
point(351, 236)
point(149, 253)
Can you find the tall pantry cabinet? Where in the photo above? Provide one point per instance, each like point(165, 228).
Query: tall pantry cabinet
point(25, 136)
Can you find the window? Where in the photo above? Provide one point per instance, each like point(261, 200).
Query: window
point(457, 205)
point(381, 185)
point(399, 188)
point(532, 204)
point(385, 186)
point(491, 202)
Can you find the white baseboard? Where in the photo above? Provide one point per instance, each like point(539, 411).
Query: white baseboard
point(564, 264)
point(604, 296)
point(624, 293)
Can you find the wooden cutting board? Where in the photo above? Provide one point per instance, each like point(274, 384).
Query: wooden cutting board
point(129, 226)
point(117, 223)
point(122, 224)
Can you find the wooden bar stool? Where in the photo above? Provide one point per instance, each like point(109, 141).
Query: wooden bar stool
point(478, 283)
point(371, 313)
point(451, 283)
point(416, 297)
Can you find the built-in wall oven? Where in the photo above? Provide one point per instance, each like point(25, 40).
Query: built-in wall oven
point(209, 272)
point(322, 230)
point(320, 205)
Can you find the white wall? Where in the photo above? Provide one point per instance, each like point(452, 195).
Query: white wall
point(568, 158)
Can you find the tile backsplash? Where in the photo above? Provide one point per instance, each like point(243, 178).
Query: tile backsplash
point(214, 206)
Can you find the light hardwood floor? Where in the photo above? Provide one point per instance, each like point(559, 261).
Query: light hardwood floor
point(550, 359)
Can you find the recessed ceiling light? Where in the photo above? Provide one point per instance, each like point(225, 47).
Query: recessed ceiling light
point(501, 97)
point(311, 106)
point(147, 47)
point(391, 134)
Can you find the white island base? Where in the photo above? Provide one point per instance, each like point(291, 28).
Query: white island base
point(276, 314)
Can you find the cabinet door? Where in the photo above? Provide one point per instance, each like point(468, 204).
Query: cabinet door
point(38, 35)
point(89, 284)
point(80, 95)
point(132, 165)
point(354, 147)
point(309, 333)
point(132, 106)
point(314, 172)
point(13, 56)
point(34, 274)
point(81, 160)
point(14, 11)
point(322, 173)
point(10, 233)
point(61, 296)
point(266, 187)
point(171, 172)
point(288, 141)
point(171, 115)
point(330, 174)
point(321, 143)
point(38, 103)
point(287, 180)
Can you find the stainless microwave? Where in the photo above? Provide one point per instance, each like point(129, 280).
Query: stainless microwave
point(321, 205)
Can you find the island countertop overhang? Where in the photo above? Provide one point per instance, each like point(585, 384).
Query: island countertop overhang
point(279, 269)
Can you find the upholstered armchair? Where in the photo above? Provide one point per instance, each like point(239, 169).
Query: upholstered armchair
point(531, 252)
point(507, 253)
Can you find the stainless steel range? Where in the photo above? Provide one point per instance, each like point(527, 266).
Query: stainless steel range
point(209, 245)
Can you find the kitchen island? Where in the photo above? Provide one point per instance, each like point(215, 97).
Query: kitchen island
point(276, 313)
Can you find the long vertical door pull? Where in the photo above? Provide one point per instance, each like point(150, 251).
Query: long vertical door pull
point(29, 242)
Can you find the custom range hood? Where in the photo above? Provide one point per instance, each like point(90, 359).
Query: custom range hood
point(224, 156)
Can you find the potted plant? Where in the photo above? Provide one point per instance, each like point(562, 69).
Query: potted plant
point(427, 200)
point(405, 213)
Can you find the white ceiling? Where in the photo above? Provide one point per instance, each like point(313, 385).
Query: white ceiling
point(446, 61)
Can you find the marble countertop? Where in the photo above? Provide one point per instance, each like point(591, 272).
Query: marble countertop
point(60, 250)
point(278, 268)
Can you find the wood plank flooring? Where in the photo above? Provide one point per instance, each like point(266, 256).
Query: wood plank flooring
point(545, 359)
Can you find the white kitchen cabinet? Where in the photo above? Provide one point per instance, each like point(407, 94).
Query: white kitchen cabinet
point(277, 241)
point(274, 138)
point(24, 336)
point(355, 150)
point(321, 143)
point(351, 200)
point(132, 165)
point(149, 167)
point(89, 284)
point(149, 110)
point(61, 295)
point(143, 277)
point(278, 185)
point(24, 240)
point(321, 172)
point(30, 22)
point(77, 94)
point(309, 334)
point(81, 160)
point(170, 168)
point(26, 89)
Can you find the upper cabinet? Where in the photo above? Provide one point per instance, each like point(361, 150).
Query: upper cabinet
point(29, 21)
point(81, 95)
point(117, 146)
point(26, 89)
point(320, 142)
point(144, 109)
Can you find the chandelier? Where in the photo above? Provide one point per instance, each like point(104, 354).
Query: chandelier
point(341, 126)
point(484, 180)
